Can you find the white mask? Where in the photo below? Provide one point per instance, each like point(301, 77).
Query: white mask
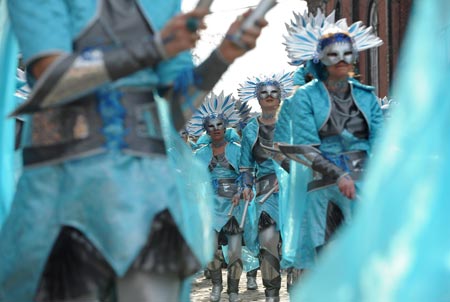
point(213, 124)
point(337, 52)
point(268, 90)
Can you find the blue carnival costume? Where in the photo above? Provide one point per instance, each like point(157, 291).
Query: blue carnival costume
point(342, 127)
point(214, 116)
point(257, 163)
point(108, 188)
point(232, 154)
point(398, 245)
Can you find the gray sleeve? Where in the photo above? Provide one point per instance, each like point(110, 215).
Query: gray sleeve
point(211, 70)
point(134, 56)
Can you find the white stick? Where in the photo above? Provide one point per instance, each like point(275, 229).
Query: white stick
point(268, 195)
point(231, 210)
point(244, 214)
point(204, 4)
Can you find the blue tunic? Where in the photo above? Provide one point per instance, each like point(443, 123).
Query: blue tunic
point(310, 108)
point(222, 205)
point(270, 206)
point(249, 138)
point(111, 197)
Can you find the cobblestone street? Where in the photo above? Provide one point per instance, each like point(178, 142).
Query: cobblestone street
point(202, 287)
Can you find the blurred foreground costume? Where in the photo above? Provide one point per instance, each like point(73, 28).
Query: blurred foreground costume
point(108, 205)
point(8, 65)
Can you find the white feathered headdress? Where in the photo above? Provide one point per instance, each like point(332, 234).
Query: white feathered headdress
point(214, 106)
point(306, 33)
point(249, 89)
point(243, 109)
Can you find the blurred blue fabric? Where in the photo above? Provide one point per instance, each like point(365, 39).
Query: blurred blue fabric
point(398, 247)
point(8, 65)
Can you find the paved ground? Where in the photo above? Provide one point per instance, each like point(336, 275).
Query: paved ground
point(202, 287)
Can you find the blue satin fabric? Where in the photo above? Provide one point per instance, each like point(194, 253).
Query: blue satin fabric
point(249, 260)
point(292, 185)
point(398, 246)
point(8, 63)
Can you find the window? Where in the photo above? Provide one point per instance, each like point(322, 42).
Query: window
point(337, 9)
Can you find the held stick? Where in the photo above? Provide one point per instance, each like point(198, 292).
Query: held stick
point(192, 23)
point(244, 214)
point(231, 210)
point(268, 195)
point(204, 4)
point(259, 12)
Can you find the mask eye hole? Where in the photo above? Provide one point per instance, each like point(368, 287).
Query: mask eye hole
point(332, 55)
point(264, 94)
point(275, 94)
point(348, 53)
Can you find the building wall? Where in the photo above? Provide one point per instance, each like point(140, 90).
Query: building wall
point(392, 17)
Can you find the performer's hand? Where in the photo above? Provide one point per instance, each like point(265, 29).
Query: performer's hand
point(229, 50)
point(176, 34)
point(236, 199)
point(42, 64)
point(278, 156)
point(248, 194)
point(347, 187)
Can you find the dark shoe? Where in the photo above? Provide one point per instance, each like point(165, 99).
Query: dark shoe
point(216, 291)
point(293, 275)
point(251, 283)
point(207, 274)
point(234, 297)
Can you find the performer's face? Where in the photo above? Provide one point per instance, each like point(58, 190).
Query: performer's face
point(269, 97)
point(337, 52)
point(340, 70)
point(216, 128)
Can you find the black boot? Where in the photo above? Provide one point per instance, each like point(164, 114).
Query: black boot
point(251, 280)
point(216, 279)
point(272, 290)
point(233, 290)
point(270, 266)
point(234, 274)
point(206, 273)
